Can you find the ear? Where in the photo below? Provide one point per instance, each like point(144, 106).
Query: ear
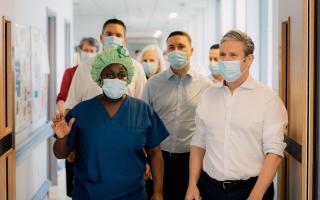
point(124, 41)
point(250, 59)
point(192, 50)
point(101, 38)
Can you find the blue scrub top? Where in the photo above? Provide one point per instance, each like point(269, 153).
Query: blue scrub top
point(110, 161)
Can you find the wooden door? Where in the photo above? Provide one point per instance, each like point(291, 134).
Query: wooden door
point(7, 151)
point(296, 19)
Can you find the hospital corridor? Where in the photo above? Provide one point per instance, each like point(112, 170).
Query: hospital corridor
point(160, 99)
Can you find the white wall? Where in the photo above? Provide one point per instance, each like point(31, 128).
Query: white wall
point(32, 170)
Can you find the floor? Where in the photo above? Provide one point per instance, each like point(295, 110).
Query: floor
point(58, 192)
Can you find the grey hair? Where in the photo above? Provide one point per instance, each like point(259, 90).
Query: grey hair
point(155, 48)
point(237, 35)
point(91, 41)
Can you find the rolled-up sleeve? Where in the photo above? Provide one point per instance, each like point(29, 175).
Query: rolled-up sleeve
point(198, 138)
point(274, 127)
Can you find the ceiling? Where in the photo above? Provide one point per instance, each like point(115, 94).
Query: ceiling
point(142, 17)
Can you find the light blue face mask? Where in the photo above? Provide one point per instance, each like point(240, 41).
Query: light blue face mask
point(85, 56)
point(111, 41)
point(114, 88)
point(213, 67)
point(230, 70)
point(150, 68)
point(177, 59)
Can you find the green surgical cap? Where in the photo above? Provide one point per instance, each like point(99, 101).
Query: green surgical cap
point(117, 55)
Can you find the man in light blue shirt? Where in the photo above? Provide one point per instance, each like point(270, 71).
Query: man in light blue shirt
point(174, 95)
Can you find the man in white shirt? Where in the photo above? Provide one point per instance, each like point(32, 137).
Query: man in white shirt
point(83, 87)
point(174, 94)
point(215, 75)
point(240, 128)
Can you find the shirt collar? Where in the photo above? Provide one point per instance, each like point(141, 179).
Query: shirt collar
point(249, 83)
point(170, 73)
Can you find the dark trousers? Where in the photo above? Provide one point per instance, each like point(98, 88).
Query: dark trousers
point(176, 175)
point(69, 178)
point(209, 190)
point(149, 188)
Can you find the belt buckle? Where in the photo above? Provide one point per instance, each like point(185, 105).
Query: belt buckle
point(225, 184)
point(172, 155)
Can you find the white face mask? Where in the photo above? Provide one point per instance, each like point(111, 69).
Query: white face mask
point(213, 67)
point(230, 70)
point(114, 88)
point(85, 55)
point(112, 41)
point(150, 68)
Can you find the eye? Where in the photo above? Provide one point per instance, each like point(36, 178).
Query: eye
point(181, 46)
point(109, 75)
point(122, 75)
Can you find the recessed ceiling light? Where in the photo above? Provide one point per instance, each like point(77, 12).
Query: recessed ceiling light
point(173, 15)
point(157, 34)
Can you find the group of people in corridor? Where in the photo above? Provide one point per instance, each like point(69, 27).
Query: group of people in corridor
point(135, 129)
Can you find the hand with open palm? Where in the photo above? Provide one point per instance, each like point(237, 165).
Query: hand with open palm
point(60, 126)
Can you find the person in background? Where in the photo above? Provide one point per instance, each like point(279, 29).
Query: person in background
point(215, 75)
point(88, 48)
point(137, 54)
point(110, 134)
point(174, 95)
point(239, 139)
point(152, 60)
point(83, 87)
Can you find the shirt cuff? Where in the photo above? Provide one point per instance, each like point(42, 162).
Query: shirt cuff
point(275, 148)
point(198, 141)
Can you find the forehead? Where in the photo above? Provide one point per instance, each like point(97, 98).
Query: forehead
point(214, 52)
point(232, 46)
point(149, 53)
point(114, 28)
point(114, 67)
point(178, 39)
point(87, 45)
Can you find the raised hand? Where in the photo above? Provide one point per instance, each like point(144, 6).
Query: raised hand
point(60, 126)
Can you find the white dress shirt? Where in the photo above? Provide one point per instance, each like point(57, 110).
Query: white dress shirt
point(175, 100)
point(83, 87)
point(238, 130)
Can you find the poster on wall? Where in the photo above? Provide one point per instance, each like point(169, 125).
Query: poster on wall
point(22, 62)
point(40, 71)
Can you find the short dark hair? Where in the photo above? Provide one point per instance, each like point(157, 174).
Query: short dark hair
point(91, 41)
point(180, 33)
point(215, 46)
point(114, 21)
point(237, 35)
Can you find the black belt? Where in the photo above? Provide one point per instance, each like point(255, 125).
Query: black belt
point(231, 185)
point(176, 155)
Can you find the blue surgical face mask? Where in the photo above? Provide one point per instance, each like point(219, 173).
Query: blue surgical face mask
point(177, 59)
point(150, 68)
point(213, 67)
point(85, 55)
point(111, 41)
point(114, 88)
point(230, 70)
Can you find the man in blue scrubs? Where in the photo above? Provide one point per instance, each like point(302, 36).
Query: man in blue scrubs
point(109, 133)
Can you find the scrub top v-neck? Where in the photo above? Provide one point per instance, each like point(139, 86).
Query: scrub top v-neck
point(110, 160)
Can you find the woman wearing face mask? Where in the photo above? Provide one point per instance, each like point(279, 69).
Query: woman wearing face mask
point(152, 60)
point(109, 133)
